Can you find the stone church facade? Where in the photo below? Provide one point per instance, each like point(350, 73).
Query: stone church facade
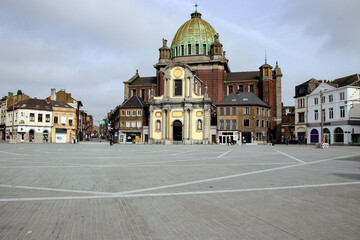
point(181, 113)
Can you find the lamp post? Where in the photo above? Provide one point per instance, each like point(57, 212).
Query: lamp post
point(13, 118)
point(322, 117)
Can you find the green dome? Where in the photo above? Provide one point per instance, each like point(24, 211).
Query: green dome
point(194, 37)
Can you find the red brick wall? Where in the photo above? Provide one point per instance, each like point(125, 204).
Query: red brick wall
point(138, 92)
point(270, 94)
point(160, 84)
point(215, 81)
point(246, 87)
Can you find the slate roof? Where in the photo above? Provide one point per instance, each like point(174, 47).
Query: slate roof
point(60, 104)
point(242, 99)
point(241, 76)
point(133, 102)
point(144, 81)
point(306, 87)
point(32, 103)
point(348, 80)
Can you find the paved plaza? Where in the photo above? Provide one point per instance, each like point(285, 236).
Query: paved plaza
point(94, 191)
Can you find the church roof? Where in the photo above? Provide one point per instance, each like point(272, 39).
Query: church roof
point(133, 102)
point(242, 99)
point(194, 31)
point(239, 76)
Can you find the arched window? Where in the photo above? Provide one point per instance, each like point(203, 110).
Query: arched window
point(314, 136)
point(199, 124)
point(338, 135)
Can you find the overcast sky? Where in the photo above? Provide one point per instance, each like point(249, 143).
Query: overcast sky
point(89, 47)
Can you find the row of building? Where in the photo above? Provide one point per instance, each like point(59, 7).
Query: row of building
point(55, 119)
point(194, 98)
point(328, 111)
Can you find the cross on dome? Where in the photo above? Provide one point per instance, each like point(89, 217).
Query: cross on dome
point(196, 5)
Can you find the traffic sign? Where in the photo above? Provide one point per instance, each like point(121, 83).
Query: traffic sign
point(102, 122)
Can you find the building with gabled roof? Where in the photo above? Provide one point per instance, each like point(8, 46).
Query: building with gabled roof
point(132, 118)
point(29, 120)
point(64, 122)
point(329, 111)
point(243, 118)
point(301, 94)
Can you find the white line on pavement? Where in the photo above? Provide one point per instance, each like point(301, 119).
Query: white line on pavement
point(178, 153)
point(301, 161)
point(54, 189)
point(241, 190)
point(224, 154)
point(178, 193)
point(229, 176)
point(13, 153)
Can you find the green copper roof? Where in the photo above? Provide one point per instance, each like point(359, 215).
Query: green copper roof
point(194, 31)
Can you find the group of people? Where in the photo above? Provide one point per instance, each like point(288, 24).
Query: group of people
point(232, 142)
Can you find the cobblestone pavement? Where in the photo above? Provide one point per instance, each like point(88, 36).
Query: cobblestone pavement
point(94, 191)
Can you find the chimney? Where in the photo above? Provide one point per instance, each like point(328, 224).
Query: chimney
point(53, 94)
point(10, 94)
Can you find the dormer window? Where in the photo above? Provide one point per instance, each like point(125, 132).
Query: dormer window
point(189, 49)
point(197, 49)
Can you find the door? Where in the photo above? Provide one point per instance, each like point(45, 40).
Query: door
point(60, 138)
point(177, 131)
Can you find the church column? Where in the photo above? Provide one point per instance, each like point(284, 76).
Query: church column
point(191, 123)
point(185, 135)
point(205, 123)
point(150, 124)
point(163, 124)
point(168, 123)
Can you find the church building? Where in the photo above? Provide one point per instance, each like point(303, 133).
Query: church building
point(192, 76)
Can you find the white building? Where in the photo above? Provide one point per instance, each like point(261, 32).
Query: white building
point(302, 92)
point(30, 120)
point(340, 112)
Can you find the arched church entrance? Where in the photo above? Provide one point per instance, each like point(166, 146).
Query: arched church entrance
point(177, 131)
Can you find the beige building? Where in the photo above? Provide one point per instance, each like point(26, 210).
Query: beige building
point(29, 121)
point(64, 119)
point(182, 113)
point(6, 102)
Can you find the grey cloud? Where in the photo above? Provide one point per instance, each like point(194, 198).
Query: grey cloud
point(335, 22)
